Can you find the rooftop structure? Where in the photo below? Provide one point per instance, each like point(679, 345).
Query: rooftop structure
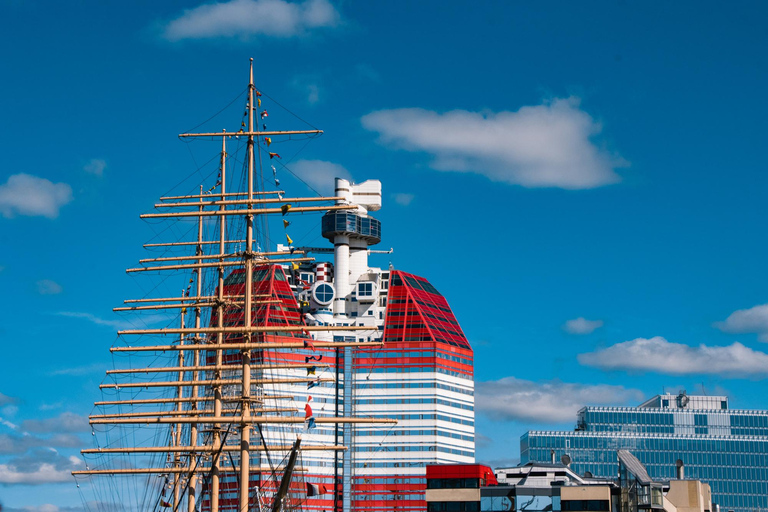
point(553, 487)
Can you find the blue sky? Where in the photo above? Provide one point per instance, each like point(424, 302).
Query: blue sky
point(585, 183)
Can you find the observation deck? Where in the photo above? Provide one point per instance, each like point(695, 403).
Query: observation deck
point(351, 224)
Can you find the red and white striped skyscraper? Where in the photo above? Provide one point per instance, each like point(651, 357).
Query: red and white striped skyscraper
point(422, 376)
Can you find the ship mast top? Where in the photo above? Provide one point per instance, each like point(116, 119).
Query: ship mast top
point(220, 353)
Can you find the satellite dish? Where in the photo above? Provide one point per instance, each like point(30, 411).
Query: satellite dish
point(588, 474)
point(682, 399)
point(565, 459)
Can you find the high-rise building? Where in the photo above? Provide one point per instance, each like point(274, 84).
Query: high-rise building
point(422, 376)
point(728, 449)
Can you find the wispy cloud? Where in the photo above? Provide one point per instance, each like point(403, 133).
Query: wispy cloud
point(244, 19)
point(91, 505)
point(403, 199)
point(15, 444)
point(96, 166)
point(752, 320)
point(80, 370)
point(659, 355)
point(582, 326)
point(64, 422)
point(48, 287)
point(319, 174)
point(5, 399)
point(24, 194)
point(547, 145)
point(117, 324)
point(41, 466)
point(308, 86)
point(511, 399)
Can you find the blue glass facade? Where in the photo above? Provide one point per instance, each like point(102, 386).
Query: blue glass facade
point(727, 449)
point(334, 223)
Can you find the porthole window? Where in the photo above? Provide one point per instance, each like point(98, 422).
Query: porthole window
point(323, 293)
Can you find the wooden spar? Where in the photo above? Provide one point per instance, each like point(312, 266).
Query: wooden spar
point(250, 420)
point(209, 242)
point(208, 449)
point(255, 328)
point(255, 201)
point(193, 305)
point(182, 298)
point(196, 383)
point(250, 133)
point(146, 401)
point(167, 306)
point(233, 255)
point(214, 265)
point(202, 413)
point(228, 194)
point(247, 346)
point(216, 367)
point(249, 211)
point(162, 471)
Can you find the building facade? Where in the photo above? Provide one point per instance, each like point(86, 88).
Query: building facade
point(728, 449)
point(551, 487)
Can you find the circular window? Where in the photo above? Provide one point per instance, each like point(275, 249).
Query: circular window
point(323, 293)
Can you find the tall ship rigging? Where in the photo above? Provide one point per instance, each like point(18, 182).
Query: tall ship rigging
point(282, 382)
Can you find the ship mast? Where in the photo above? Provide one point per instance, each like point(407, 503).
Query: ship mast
point(205, 407)
point(245, 427)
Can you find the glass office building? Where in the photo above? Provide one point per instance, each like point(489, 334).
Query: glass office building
point(725, 448)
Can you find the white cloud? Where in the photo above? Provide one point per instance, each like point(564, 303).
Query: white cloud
point(13, 444)
point(582, 326)
point(320, 174)
point(37, 473)
point(80, 370)
point(8, 424)
point(659, 355)
point(117, 324)
point(43, 508)
point(244, 19)
point(91, 505)
point(64, 422)
point(403, 199)
point(95, 166)
point(546, 145)
point(752, 320)
point(313, 94)
point(48, 287)
point(511, 399)
point(24, 194)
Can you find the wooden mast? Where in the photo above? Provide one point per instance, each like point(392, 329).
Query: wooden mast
point(184, 404)
point(192, 485)
point(219, 335)
point(177, 427)
point(245, 427)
